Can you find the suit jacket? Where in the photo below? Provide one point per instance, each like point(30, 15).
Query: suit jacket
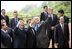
point(6, 18)
point(11, 33)
point(41, 35)
point(66, 19)
point(59, 35)
point(5, 39)
point(20, 36)
point(12, 23)
point(43, 16)
point(54, 21)
point(31, 38)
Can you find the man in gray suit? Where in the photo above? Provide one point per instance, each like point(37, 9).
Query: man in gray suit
point(41, 34)
point(14, 21)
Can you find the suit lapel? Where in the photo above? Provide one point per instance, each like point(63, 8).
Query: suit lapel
point(60, 27)
point(45, 15)
point(18, 19)
point(14, 21)
point(64, 28)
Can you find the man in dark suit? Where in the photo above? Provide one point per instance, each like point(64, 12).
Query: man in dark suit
point(3, 16)
point(14, 21)
point(61, 13)
point(44, 16)
point(41, 34)
point(20, 35)
point(53, 23)
point(10, 31)
point(61, 34)
point(31, 36)
point(5, 37)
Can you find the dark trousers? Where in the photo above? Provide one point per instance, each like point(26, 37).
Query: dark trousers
point(16, 42)
point(51, 36)
point(64, 44)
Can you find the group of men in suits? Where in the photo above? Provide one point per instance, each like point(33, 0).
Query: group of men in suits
point(56, 35)
point(19, 36)
point(15, 35)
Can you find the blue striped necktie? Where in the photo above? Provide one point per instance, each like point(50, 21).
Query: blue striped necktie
point(37, 28)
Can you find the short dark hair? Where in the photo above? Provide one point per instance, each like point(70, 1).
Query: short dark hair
point(3, 9)
point(61, 11)
point(15, 11)
point(3, 19)
point(27, 20)
point(44, 7)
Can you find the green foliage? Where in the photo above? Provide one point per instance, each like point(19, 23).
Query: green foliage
point(32, 10)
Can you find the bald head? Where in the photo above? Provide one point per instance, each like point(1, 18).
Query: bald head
point(61, 20)
point(50, 10)
point(36, 20)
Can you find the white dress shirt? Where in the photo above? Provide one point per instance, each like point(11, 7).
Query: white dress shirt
point(4, 31)
point(62, 26)
point(52, 16)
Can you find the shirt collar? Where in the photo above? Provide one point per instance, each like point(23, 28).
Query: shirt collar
point(16, 18)
point(61, 24)
point(45, 12)
point(63, 16)
point(4, 31)
point(20, 28)
point(3, 15)
point(52, 15)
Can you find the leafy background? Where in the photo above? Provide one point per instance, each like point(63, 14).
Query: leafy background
point(31, 10)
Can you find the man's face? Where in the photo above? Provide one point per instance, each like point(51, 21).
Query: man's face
point(61, 14)
point(29, 21)
point(36, 20)
point(16, 15)
point(3, 21)
point(5, 26)
point(46, 9)
point(21, 25)
point(3, 12)
point(62, 20)
point(50, 11)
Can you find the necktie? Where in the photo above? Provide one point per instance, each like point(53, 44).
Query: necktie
point(63, 28)
point(16, 21)
point(52, 17)
point(37, 28)
point(45, 13)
